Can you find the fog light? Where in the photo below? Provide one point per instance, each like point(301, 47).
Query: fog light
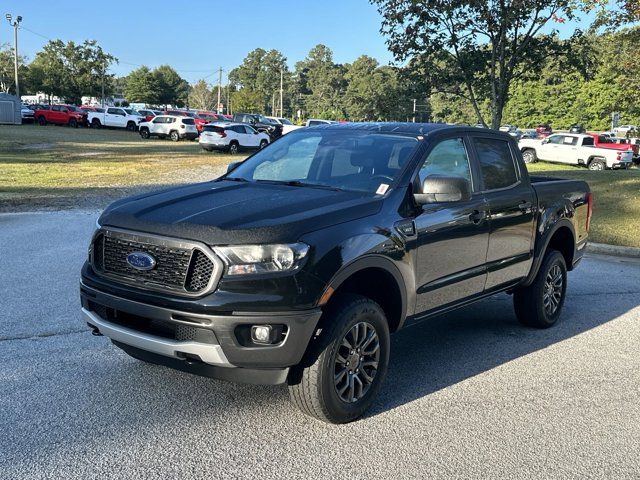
point(261, 334)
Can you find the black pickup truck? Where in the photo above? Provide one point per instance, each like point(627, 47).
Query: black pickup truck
point(297, 264)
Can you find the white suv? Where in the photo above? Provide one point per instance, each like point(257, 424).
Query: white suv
point(232, 137)
point(170, 126)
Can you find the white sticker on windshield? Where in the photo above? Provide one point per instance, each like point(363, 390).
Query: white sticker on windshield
point(382, 189)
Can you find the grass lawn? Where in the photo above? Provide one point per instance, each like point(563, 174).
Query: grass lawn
point(59, 167)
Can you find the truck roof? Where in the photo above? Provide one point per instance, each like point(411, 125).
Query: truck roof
point(403, 127)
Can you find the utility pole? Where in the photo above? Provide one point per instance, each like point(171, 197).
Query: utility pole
point(281, 92)
point(414, 110)
point(103, 69)
point(15, 48)
point(219, 87)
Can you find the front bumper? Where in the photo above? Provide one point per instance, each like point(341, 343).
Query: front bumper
point(214, 345)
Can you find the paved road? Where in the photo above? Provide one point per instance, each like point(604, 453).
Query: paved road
point(470, 395)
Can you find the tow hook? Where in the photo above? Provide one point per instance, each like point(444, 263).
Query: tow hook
point(94, 330)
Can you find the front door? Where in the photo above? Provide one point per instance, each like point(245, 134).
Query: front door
point(452, 237)
point(511, 205)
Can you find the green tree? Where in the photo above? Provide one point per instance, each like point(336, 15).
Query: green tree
point(141, 86)
point(201, 96)
point(260, 72)
point(474, 49)
point(7, 71)
point(71, 70)
point(246, 100)
point(322, 83)
point(172, 88)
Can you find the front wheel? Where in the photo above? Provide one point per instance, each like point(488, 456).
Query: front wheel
point(539, 305)
point(529, 156)
point(144, 133)
point(346, 365)
point(42, 121)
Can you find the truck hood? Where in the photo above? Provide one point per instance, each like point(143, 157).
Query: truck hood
point(228, 212)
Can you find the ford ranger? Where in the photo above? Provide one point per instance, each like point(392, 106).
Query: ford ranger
point(297, 264)
point(574, 149)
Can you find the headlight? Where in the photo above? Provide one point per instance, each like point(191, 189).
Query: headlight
point(255, 259)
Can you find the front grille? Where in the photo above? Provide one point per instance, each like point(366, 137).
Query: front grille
point(180, 267)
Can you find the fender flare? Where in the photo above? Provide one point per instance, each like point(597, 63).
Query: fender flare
point(539, 255)
point(374, 261)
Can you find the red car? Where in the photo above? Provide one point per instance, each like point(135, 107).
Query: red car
point(543, 130)
point(61, 115)
point(603, 141)
point(200, 122)
point(213, 117)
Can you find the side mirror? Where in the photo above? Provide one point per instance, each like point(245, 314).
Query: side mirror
point(232, 166)
point(436, 189)
point(545, 141)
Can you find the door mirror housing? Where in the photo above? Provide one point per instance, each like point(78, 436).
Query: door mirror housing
point(545, 141)
point(232, 166)
point(441, 189)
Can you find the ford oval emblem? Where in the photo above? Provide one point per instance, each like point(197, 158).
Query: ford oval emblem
point(141, 261)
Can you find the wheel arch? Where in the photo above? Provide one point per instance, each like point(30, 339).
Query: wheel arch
point(562, 238)
point(375, 277)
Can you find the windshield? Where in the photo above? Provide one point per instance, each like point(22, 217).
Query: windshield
point(345, 160)
point(284, 121)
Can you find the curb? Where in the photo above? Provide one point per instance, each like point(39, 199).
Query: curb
point(614, 250)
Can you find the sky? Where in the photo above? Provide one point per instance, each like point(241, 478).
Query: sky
point(206, 35)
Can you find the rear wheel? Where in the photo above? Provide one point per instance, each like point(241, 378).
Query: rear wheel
point(41, 120)
point(234, 148)
point(529, 156)
point(345, 367)
point(174, 136)
point(597, 164)
point(144, 132)
point(539, 305)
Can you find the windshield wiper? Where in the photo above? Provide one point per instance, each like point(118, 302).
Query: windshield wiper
point(298, 183)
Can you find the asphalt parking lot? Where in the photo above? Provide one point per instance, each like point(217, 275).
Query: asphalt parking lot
point(472, 394)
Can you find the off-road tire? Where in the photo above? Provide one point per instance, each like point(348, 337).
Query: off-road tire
point(529, 302)
point(312, 385)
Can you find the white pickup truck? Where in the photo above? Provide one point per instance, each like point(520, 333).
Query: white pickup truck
point(118, 117)
point(574, 149)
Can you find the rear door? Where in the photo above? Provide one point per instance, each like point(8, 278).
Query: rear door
point(510, 202)
point(453, 237)
point(252, 137)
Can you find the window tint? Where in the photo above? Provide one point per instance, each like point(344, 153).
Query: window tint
point(55, 108)
point(496, 163)
point(313, 123)
point(555, 139)
point(113, 111)
point(249, 130)
point(188, 121)
point(448, 158)
point(569, 141)
point(587, 142)
point(159, 120)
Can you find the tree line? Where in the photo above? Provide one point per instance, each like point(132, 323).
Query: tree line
point(462, 62)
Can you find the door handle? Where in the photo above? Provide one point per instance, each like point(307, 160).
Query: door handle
point(477, 216)
point(525, 206)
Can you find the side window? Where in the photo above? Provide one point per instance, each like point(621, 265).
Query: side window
point(249, 130)
point(555, 139)
point(569, 140)
point(55, 108)
point(112, 111)
point(159, 120)
point(448, 158)
point(496, 163)
point(588, 142)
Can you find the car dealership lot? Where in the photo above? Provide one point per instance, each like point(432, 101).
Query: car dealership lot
point(469, 394)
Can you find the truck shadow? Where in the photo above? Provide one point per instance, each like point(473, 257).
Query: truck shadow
point(446, 350)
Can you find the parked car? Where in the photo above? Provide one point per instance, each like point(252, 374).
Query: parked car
point(529, 134)
point(574, 149)
point(544, 130)
point(117, 117)
point(511, 130)
point(287, 126)
point(260, 123)
point(198, 121)
point(175, 127)
point(621, 144)
point(213, 117)
point(90, 108)
point(61, 115)
point(149, 114)
point(296, 265)
point(624, 129)
point(26, 113)
point(232, 137)
point(576, 128)
point(312, 122)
